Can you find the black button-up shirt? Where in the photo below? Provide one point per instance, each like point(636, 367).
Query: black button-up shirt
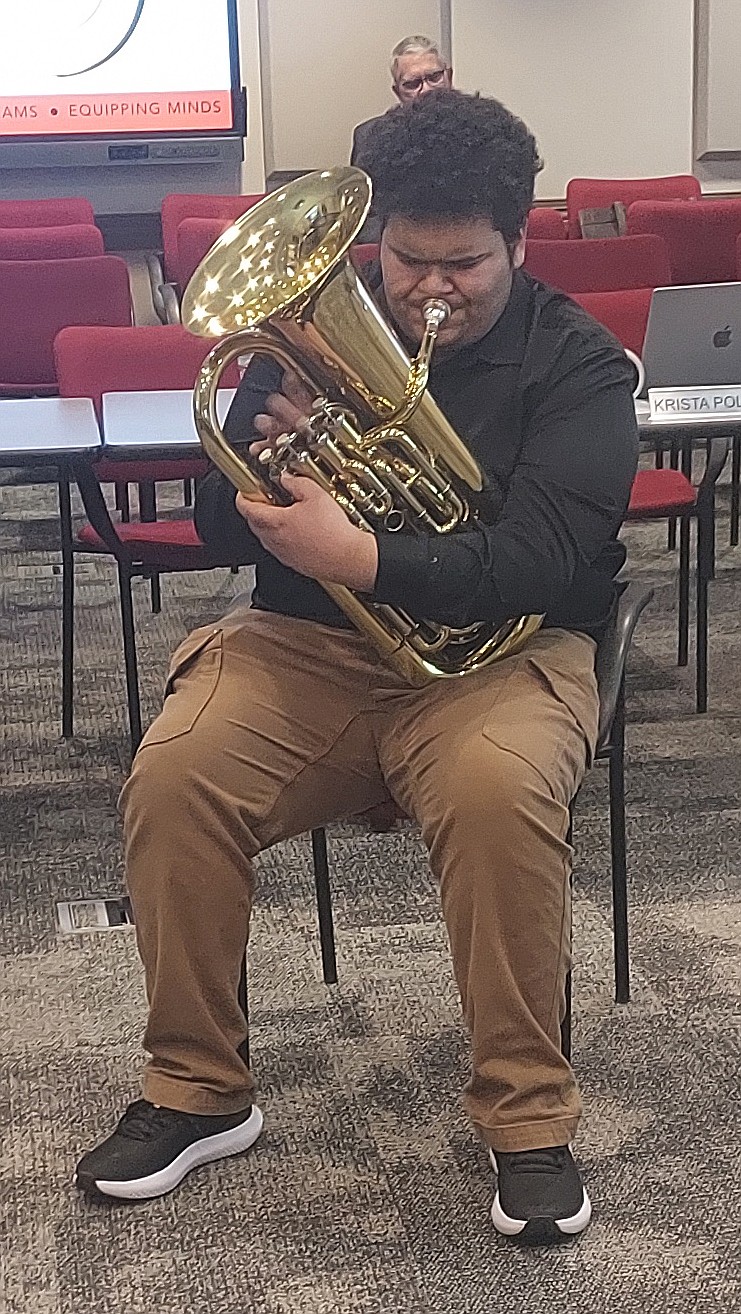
point(544, 404)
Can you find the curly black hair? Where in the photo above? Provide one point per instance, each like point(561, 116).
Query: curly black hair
point(451, 155)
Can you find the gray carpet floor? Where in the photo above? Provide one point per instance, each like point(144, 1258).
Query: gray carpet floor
point(367, 1191)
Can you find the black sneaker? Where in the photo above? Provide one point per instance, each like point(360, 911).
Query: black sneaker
point(541, 1199)
point(153, 1148)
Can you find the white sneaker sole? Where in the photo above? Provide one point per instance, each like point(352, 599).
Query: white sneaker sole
point(206, 1150)
point(567, 1226)
point(515, 1226)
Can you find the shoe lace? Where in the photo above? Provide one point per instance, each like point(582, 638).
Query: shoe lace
point(143, 1121)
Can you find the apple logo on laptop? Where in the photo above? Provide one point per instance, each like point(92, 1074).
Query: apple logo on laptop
point(722, 338)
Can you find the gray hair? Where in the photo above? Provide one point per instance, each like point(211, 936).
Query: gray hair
point(414, 45)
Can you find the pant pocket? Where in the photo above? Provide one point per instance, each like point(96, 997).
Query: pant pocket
point(577, 693)
point(190, 685)
point(548, 718)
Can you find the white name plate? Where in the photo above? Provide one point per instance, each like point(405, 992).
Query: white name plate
point(676, 404)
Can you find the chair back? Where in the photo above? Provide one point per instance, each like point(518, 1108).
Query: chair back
point(184, 205)
point(195, 237)
point(700, 238)
point(612, 653)
point(92, 361)
point(600, 266)
point(546, 224)
point(59, 243)
point(40, 297)
point(47, 213)
point(624, 313)
point(364, 254)
point(600, 193)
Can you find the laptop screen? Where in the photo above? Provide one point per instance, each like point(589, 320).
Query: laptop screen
point(693, 336)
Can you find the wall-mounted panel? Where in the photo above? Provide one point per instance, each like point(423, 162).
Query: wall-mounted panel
point(719, 79)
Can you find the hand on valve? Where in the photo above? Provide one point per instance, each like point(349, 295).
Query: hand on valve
point(313, 535)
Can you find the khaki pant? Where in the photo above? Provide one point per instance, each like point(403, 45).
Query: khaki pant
point(273, 726)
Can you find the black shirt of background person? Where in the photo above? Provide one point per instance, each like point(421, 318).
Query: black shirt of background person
point(360, 139)
point(544, 404)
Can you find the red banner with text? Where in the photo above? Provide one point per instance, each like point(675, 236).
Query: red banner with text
point(172, 111)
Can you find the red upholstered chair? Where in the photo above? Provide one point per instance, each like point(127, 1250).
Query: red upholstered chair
point(598, 193)
point(600, 266)
point(48, 213)
point(195, 237)
point(169, 281)
point(40, 297)
point(624, 313)
point(544, 223)
point(669, 494)
point(192, 205)
point(700, 238)
point(364, 254)
point(59, 243)
point(89, 363)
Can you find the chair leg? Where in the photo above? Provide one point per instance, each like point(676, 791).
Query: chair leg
point(187, 492)
point(243, 999)
point(129, 645)
point(566, 1019)
point(735, 486)
point(122, 502)
point(618, 853)
point(148, 512)
point(683, 623)
point(566, 1022)
point(705, 571)
point(324, 905)
point(671, 537)
point(68, 609)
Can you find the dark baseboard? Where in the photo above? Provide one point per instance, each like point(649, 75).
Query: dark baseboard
point(279, 177)
point(130, 232)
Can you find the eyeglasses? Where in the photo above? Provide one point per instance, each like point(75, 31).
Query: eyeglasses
point(416, 84)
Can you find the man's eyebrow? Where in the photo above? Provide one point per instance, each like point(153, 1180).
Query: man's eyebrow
point(452, 260)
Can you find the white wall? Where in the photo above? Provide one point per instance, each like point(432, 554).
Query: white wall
point(253, 169)
point(325, 68)
point(605, 86)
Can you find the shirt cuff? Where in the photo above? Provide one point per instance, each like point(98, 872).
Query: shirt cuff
point(403, 567)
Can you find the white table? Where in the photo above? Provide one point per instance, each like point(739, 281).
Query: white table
point(60, 431)
point(47, 430)
point(154, 425)
point(693, 427)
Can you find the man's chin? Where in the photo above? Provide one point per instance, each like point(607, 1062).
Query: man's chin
point(450, 336)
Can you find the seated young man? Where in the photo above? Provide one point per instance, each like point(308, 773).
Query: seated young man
point(282, 718)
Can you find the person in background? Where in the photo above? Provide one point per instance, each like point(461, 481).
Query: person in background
point(417, 67)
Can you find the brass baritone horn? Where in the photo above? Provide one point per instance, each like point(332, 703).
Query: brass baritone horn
point(279, 282)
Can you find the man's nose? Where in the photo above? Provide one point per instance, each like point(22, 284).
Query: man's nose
point(436, 281)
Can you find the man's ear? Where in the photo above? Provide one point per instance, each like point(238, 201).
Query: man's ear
point(518, 250)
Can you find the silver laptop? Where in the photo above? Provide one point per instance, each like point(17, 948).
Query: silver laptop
point(693, 336)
